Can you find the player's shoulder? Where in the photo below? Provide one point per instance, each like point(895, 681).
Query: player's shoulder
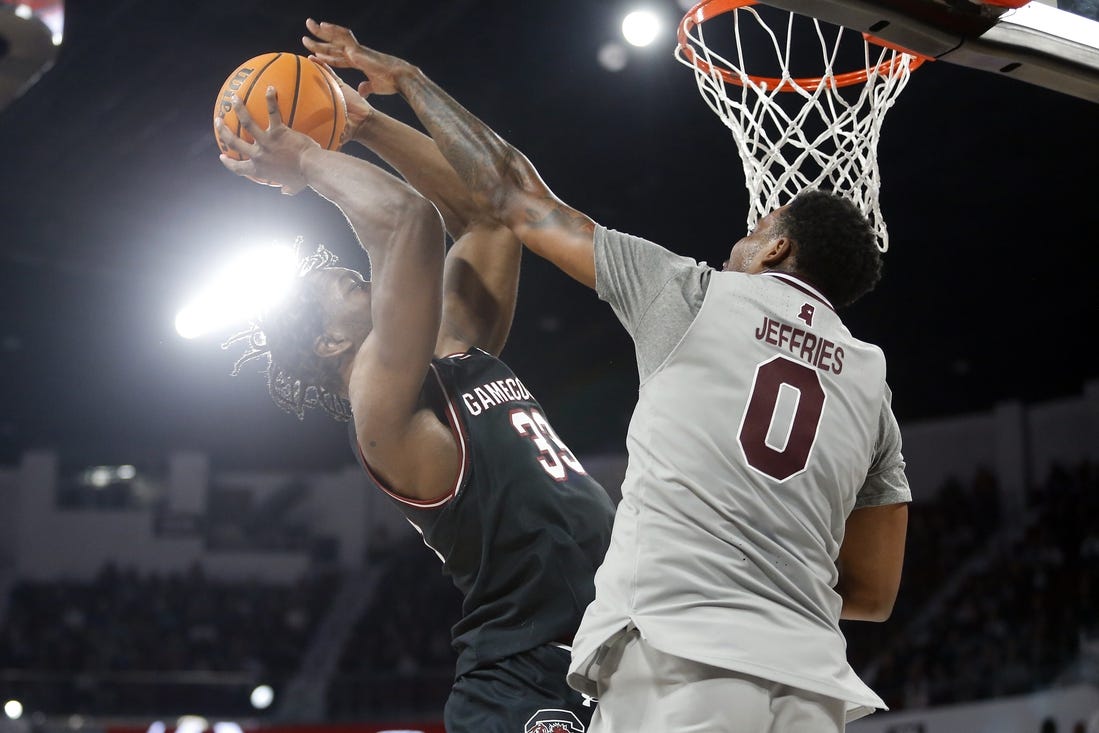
point(612, 245)
point(474, 363)
point(463, 359)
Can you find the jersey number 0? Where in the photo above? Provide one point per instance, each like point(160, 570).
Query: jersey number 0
point(779, 426)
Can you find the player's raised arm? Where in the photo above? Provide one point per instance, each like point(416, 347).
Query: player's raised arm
point(481, 275)
point(382, 334)
point(502, 179)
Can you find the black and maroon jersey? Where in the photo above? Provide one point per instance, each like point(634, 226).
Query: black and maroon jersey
point(524, 527)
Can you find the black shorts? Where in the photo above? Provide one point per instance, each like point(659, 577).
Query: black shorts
point(524, 693)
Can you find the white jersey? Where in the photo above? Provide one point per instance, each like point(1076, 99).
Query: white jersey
point(758, 432)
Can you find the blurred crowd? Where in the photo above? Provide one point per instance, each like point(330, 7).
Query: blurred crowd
point(1025, 606)
point(124, 629)
point(944, 529)
point(1017, 622)
point(399, 658)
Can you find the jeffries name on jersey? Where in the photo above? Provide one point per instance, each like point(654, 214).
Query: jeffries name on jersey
point(820, 352)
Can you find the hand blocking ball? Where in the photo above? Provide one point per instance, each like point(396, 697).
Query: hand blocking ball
point(310, 98)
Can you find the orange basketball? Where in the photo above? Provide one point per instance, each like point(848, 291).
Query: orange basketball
point(310, 98)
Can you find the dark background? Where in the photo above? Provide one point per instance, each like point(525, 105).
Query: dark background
point(114, 206)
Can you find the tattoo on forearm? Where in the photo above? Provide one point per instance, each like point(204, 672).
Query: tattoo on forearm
point(556, 215)
point(479, 156)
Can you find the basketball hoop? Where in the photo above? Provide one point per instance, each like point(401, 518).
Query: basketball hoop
point(798, 132)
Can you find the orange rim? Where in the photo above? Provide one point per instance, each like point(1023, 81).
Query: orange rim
point(708, 9)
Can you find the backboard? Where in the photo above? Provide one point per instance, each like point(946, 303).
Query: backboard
point(1034, 42)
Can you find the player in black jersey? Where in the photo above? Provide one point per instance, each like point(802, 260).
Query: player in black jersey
point(440, 424)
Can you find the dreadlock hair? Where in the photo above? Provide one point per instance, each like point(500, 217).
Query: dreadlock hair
point(836, 247)
point(296, 377)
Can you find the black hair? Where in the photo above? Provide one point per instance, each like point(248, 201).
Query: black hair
point(835, 245)
point(296, 377)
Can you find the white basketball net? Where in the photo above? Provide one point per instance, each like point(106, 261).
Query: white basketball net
point(801, 138)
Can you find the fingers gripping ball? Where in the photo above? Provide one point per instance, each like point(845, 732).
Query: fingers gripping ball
point(310, 98)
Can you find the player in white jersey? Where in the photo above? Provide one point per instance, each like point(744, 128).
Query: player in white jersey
point(765, 497)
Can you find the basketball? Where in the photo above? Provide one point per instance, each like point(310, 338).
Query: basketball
point(310, 98)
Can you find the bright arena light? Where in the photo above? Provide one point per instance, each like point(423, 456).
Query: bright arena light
point(262, 697)
point(613, 56)
point(13, 709)
point(192, 724)
point(100, 476)
point(255, 280)
point(26, 12)
point(641, 27)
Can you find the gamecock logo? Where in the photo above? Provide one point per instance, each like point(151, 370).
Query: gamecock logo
point(554, 721)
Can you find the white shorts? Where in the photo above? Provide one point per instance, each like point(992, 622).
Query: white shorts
point(643, 690)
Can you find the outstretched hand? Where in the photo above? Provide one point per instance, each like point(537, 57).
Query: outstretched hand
point(336, 46)
point(277, 153)
point(359, 111)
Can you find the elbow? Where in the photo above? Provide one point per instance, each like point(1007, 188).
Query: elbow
point(425, 210)
point(498, 204)
point(867, 605)
point(876, 612)
point(420, 215)
point(514, 182)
